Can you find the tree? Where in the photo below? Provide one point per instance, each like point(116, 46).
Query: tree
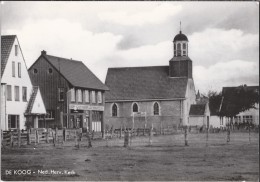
point(238, 99)
point(215, 99)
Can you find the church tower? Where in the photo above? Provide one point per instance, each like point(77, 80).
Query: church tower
point(180, 64)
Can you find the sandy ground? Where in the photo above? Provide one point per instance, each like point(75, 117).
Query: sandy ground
point(166, 160)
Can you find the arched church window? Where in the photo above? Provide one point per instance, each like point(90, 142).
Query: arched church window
point(156, 108)
point(135, 107)
point(114, 110)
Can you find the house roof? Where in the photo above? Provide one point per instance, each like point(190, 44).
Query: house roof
point(7, 42)
point(77, 74)
point(197, 109)
point(138, 83)
point(230, 90)
point(31, 101)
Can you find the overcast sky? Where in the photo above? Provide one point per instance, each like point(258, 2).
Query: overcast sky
point(223, 36)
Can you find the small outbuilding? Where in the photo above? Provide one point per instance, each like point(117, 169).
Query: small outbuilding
point(199, 115)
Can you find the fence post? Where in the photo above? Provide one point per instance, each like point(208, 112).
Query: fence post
point(207, 136)
point(55, 136)
point(150, 136)
point(19, 137)
point(37, 136)
point(28, 137)
point(249, 134)
point(185, 135)
point(120, 131)
point(89, 139)
point(160, 127)
point(228, 134)
point(11, 139)
point(47, 135)
point(64, 134)
point(126, 141)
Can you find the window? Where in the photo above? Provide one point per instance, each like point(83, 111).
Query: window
point(178, 49)
point(19, 70)
point(16, 50)
point(184, 53)
point(9, 92)
point(79, 95)
point(174, 46)
point(13, 69)
point(248, 119)
point(114, 110)
point(135, 107)
point(35, 71)
point(61, 94)
point(86, 96)
point(184, 46)
point(156, 108)
point(24, 90)
point(50, 71)
point(16, 93)
point(178, 46)
point(72, 95)
point(50, 114)
point(93, 96)
point(13, 121)
point(99, 99)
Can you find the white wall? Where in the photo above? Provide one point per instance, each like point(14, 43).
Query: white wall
point(38, 106)
point(16, 107)
point(190, 99)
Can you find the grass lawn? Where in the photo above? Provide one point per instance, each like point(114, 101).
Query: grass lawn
point(167, 159)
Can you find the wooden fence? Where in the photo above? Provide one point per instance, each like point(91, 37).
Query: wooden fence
point(38, 136)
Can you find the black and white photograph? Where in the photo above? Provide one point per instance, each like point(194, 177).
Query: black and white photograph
point(129, 90)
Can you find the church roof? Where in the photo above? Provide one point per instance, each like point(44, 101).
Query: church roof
point(140, 83)
point(180, 37)
point(197, 109)
point(7, 42)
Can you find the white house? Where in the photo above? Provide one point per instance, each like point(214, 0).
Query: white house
point(19, 99)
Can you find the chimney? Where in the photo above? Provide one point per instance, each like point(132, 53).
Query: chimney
point(44, 52)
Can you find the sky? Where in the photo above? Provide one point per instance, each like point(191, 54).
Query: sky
point(223, 36)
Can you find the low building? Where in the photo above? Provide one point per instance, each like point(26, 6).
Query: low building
point(199, 115)
point(72, 94)
point(158, 96)
point(20, 101)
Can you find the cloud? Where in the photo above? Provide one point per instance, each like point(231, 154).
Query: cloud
point(231, 73)
point(155, 15)
point(218, 45)
point(62, 38)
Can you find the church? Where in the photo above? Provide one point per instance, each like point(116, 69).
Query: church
point(153, 96)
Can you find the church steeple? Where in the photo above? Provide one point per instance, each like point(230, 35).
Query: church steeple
point(180, 64)
point(180, 44)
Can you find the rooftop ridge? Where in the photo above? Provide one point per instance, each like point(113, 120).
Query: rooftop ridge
point(67, 59)
point(138, 67)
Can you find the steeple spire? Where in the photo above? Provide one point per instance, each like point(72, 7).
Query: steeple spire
point(180, 27)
